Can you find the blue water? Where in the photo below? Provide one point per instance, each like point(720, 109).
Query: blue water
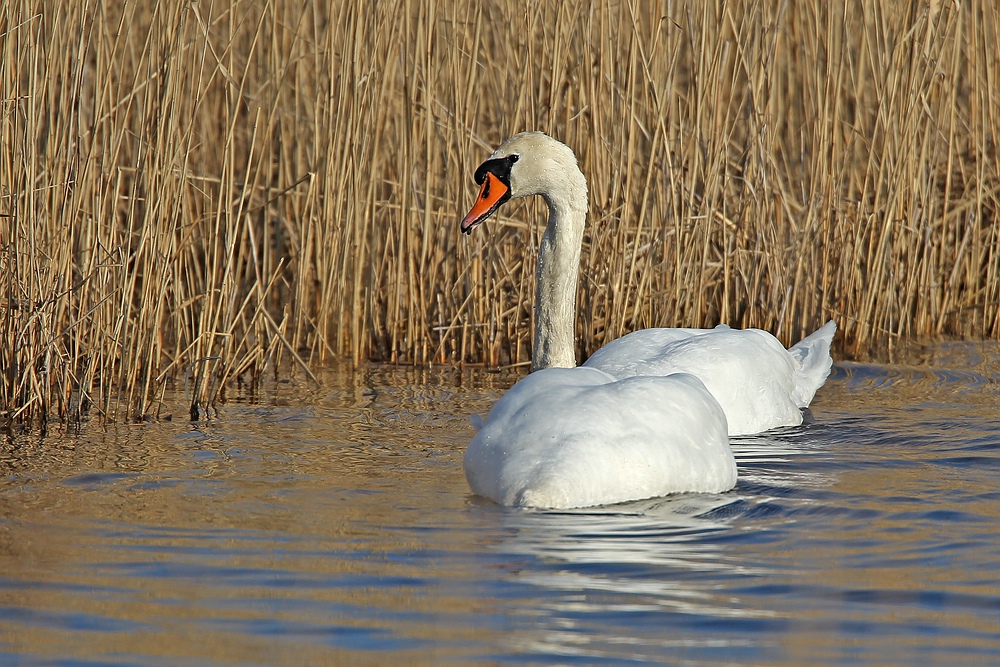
point(333, 526)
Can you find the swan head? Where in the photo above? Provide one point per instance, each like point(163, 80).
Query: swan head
point(529, 163)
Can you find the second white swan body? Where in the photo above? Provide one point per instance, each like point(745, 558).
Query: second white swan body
point(648, 414)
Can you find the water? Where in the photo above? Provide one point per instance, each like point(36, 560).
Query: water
point(333, 526)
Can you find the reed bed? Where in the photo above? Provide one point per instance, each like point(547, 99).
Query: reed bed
point(204, 194)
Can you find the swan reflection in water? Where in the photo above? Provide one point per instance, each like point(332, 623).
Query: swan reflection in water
point(668, 562)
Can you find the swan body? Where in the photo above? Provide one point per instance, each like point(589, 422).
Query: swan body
point(648, 414)
point(577, 437)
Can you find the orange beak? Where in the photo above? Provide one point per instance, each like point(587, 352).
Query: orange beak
point(491, 196)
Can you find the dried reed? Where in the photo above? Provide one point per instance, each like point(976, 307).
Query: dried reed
point(202, 193)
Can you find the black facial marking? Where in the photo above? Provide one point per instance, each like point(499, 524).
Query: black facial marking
point(499, 167)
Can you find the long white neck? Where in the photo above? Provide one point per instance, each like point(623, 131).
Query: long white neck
point(558, 268)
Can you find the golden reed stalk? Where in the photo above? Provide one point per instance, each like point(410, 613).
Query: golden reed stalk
point(201, 192)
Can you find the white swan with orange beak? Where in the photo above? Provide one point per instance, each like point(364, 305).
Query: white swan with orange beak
point(648, 414)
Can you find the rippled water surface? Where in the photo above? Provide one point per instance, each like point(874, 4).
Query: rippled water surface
point(334, 526)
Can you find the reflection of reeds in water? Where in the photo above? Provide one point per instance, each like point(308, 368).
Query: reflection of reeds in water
point(204, 192)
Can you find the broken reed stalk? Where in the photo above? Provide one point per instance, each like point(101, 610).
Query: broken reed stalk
point(201, 193)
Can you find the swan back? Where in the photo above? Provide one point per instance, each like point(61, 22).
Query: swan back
point(759, 383)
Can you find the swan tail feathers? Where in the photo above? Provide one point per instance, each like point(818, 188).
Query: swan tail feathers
point(813, 362)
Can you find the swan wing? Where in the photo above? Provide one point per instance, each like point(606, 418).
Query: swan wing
point(747, 370)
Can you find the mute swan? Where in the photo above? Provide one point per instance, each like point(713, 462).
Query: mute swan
point(648, 414)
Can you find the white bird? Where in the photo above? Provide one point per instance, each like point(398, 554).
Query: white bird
point(648, 414)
